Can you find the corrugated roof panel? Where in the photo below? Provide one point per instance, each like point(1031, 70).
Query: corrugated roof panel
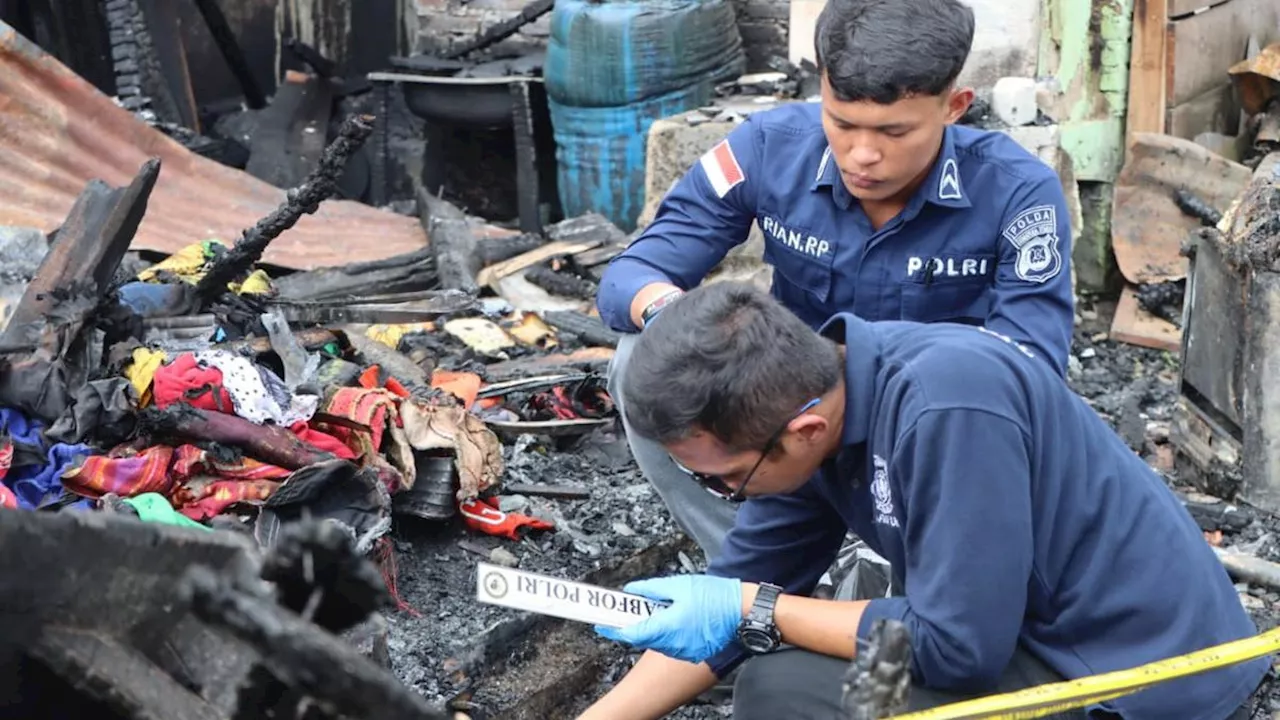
point(57, 132)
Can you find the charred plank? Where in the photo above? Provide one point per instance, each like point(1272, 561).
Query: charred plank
point(225, 39)
point(65, 294)
point(117, 676)
point(590, 329)
point(410, 272)
point(306, 659)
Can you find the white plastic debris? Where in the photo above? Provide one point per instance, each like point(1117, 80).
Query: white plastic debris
point(1013, 99)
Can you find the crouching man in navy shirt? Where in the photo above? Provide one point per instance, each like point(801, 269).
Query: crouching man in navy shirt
point(871, 202)
point(1031, 543)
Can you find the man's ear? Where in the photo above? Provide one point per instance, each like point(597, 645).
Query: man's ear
point(958, 103)
point(809, 426)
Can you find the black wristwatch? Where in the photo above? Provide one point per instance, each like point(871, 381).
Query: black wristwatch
point(758, 632)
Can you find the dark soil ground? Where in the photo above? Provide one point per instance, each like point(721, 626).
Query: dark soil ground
point(1133, 388)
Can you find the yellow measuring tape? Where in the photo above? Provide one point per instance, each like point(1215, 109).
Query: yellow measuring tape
point(1043, 700)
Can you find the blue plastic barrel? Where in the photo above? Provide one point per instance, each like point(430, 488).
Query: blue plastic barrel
point(601, 153)
point(614, 53)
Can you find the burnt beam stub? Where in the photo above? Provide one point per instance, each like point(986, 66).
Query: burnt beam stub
point(878, 682)
point(1228, 422)
point(301, 656)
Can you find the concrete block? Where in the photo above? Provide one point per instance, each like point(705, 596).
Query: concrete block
point(1013, 100)
point(1045, 141)
point(674, 146)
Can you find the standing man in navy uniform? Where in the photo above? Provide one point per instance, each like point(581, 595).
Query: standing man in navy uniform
point(872, 202)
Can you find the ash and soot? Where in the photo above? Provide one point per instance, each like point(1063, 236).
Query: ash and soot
point(1133, 388)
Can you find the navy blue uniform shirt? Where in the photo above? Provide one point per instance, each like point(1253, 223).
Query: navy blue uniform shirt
point(1010, 512)
point(985, 240)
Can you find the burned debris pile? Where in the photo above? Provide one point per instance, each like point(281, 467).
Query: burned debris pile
point(304, 415)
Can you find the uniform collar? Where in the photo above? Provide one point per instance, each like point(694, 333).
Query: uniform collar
point(862, 363)
point(943, 186)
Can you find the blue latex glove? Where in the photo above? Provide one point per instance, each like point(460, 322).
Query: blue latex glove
point(702, 619)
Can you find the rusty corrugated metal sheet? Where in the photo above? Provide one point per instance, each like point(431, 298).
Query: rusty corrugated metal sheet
point(1258, 78)
point(57, 132)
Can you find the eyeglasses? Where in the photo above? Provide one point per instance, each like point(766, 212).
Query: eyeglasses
point(716, 485)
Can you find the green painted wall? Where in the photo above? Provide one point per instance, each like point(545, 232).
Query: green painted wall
point(1084, 44)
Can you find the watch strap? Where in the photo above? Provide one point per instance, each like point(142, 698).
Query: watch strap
point(765, 601)
point(652, 309)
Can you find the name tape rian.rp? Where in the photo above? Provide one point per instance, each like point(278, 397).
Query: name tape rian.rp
point(545, 595)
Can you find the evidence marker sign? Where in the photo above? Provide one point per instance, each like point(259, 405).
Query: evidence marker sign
point(497, 585)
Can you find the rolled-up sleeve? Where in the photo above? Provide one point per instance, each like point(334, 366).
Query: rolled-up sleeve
point(707, 213)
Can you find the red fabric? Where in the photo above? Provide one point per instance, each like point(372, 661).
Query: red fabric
point(484, 517)
point(197, 483)
point(322, 441)
point(7, 498)
point(184, 380)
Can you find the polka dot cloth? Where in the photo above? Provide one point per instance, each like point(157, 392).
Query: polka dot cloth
point(258, 394)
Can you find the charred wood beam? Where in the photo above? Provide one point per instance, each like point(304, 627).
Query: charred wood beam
point(456, 247)
point(65, 294)
point(165, 73)
point(498, 32)
point(330, 312)
point(590, 329)
point(86, 251)
point(117, 677)
point(323, 66)
point(304, 199)
point(225, 39)
point(452, 243)
point(561, 283)
point(878, 681)
point(400, 274)
point(307, 659)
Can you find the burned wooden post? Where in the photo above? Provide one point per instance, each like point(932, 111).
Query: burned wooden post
point(320, 185)
point(1227, 423)
point(67, 290)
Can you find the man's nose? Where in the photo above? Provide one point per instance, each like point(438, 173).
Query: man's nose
point(864, 154)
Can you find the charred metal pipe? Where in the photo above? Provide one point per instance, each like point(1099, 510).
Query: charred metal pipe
point(1250, 569)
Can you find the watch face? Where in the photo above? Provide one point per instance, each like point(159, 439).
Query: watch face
point(757, 641)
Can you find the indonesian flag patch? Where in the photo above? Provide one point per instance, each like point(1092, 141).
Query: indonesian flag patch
point(722, 168)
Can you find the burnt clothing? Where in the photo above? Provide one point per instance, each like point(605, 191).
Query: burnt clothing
point(986, 239)
point(1010, 514)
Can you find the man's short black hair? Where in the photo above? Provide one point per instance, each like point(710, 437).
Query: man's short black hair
point(887, 50)
point(728, 359)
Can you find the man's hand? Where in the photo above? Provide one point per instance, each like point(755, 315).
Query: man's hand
point(702, 619)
